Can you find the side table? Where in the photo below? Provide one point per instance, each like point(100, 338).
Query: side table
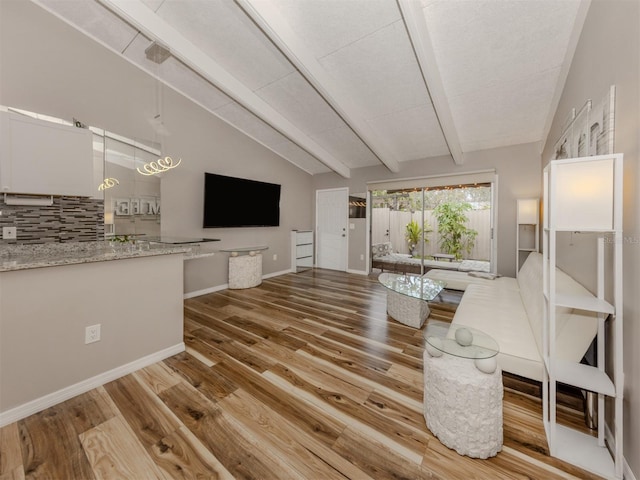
point(245, 266)
point(463, 392)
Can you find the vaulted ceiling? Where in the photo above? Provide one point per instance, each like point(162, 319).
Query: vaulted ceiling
point(333, 85)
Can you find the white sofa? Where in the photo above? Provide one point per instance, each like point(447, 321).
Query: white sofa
point(511, 311)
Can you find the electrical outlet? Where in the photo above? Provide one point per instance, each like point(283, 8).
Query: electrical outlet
point(275, 256)
point(362, 256)
point(9, 233)
point(92, 334)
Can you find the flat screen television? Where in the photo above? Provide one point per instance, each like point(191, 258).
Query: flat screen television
point(239, 202)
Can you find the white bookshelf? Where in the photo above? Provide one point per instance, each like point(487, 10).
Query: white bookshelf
point(585, 195)
point(301, 250)
point(527, 231)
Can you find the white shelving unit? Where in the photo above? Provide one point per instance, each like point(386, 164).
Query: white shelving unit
point(301, 250)
point(527, 232)
point(585, 195)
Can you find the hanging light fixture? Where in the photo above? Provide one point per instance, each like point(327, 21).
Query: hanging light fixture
point(108, 183)
point(158, 166)
point(158, 53)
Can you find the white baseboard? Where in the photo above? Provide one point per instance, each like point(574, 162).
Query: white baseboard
point(197, 293)
point(357, 272)
point(224, 286)
point(39, 404)
point(277, 274)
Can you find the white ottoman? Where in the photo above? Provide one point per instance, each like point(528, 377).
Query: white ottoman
point(245, 271)
point(463, 406)
point(407, 310)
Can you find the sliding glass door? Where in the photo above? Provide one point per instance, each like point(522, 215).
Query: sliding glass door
point(449, 226)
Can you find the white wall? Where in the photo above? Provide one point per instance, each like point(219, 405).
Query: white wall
point(49, 67)
point(518, 168)
point(608, 53)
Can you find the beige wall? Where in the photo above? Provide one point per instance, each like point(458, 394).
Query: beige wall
point(518, 168)
point(608, 53)
point(51, 68)
point(208, 145)
point(44, 312)
point(357, 245)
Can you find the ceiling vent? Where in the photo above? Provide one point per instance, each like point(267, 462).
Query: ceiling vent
point(157, 53)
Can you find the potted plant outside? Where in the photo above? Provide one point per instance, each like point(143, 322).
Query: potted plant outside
point(413, 235)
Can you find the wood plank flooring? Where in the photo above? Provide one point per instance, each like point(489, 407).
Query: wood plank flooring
point(304, 377)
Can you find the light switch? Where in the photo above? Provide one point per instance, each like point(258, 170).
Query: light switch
point(352, 226)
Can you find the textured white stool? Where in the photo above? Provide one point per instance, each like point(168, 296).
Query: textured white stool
point(407, 310)
point(245, 271)
point(463, 406)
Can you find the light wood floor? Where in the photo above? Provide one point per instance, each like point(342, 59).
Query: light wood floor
point(304, 377)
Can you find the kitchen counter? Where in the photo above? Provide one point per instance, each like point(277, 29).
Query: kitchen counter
point(22, 257)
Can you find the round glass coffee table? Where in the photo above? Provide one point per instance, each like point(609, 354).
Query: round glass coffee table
point(408, 296)
point(463, 391)
point(464, 342)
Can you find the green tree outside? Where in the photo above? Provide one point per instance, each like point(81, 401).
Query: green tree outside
point(455, 237)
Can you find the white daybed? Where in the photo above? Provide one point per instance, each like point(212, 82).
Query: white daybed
point(511, 311)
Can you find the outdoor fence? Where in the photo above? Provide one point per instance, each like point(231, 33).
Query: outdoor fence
point(389, 226)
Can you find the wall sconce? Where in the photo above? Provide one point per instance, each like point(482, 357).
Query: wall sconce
point(527, 211)
point(159, 166)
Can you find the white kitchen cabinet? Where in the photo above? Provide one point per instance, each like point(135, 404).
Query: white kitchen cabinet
point(44, 158)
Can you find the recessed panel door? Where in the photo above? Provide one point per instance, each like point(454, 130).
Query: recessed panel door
point(332, 214)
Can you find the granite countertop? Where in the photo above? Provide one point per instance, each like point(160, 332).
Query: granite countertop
point(23, 257)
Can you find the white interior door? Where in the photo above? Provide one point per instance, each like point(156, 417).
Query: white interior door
point(332, 217)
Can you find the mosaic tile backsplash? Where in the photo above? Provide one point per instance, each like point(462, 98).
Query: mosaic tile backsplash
point(69, 219)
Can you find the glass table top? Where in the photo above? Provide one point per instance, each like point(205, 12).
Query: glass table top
point(259, 248)
point(178, 240)
point(465, 342)
point(412, 285)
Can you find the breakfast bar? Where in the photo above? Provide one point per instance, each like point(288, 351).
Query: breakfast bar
point(75, 316)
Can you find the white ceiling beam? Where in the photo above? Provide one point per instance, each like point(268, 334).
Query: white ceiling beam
point(267, 17)
point(141, 17)
point(416, 24)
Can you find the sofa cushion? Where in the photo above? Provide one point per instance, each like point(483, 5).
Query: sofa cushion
point(455, 280)
point(499, 312)
point(530, 282)
point(575, 329)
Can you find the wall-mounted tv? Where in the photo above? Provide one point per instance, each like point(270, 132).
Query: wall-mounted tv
point(239, 202)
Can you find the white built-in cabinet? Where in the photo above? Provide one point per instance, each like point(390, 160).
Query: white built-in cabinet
point(527, 232)
point(583, 196)
point(301, 250)
point(44, 158)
